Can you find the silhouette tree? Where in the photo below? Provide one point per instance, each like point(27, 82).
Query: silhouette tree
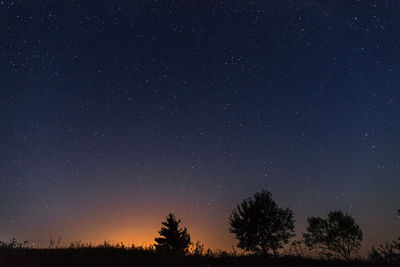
point(260, 225)
point(389, 252)
point(398, 215)
point(337, 235)
point(174, 239)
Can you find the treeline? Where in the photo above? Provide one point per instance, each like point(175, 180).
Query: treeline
point(261, 227)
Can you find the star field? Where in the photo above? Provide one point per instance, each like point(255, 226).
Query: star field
point(115, 113)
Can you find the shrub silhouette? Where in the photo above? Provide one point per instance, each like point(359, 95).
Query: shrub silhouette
point(13, 243)
point(337, 235)
point(389, 252)
point(198, 249)
point(174, 239)
point(260, 225)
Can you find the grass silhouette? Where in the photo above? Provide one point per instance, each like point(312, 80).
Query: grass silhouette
point(14, 253)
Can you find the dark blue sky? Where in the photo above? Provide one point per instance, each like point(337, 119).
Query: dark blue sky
point(114, 113)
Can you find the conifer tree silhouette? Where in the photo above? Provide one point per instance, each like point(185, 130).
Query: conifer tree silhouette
point(173, 238)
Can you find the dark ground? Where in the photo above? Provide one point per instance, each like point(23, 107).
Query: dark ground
point(127, 257)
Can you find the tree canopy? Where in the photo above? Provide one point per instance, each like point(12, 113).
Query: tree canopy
point(260, 225)
point(337, 235)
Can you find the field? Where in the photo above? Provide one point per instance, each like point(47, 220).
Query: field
point(120, 256)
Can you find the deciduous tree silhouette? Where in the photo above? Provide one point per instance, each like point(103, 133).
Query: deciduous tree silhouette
point(389, 252)
point(260, 225)
point(337, 235)
point(174, 239)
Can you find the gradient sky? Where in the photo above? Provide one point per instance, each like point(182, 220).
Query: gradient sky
point(115, 113)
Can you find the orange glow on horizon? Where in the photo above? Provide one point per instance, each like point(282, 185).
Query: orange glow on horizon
point(138, 226)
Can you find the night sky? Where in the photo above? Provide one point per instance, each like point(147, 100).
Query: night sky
point(115, 113)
